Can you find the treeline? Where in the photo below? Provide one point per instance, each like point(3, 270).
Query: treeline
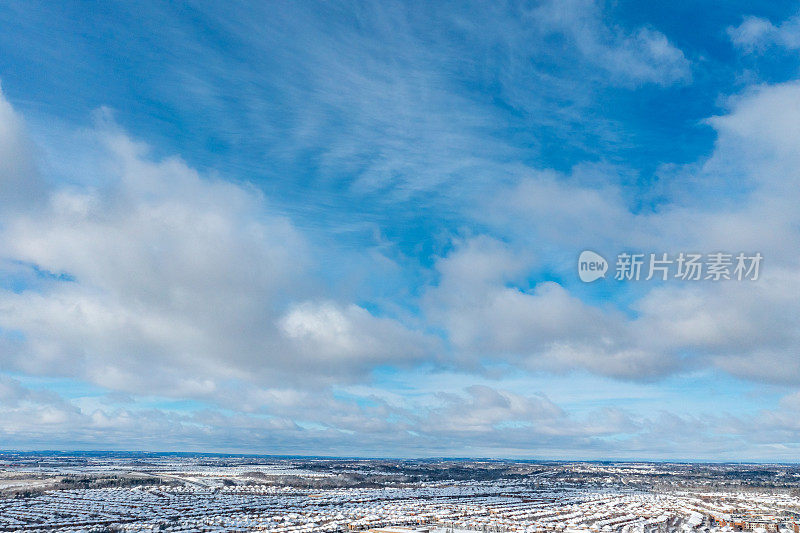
point(105, 482)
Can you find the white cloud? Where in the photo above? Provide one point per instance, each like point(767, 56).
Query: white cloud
point(542, 328)
point(756, 34)
point(559, 210)
point(20, 182)
point(485, 409)
point(394, 111)
point(742, 328)
point(332, 336)
point(158, 279)
point(641, 56)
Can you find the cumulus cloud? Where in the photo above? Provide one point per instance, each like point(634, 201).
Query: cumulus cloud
point(544, 327)
point(154, 278)
point(331, 335)
point(745, 329)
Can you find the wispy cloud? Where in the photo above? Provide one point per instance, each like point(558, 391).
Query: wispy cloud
point(756, 34)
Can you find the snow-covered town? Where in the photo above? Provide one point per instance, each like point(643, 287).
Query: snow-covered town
point(142, 492)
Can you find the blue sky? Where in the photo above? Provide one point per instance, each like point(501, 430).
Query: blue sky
point(352, 228)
